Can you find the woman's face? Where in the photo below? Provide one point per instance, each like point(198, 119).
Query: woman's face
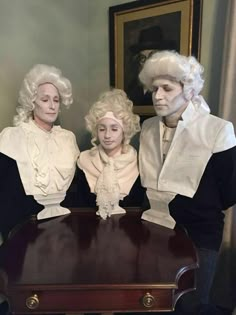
point(168, 97)
point(47, 105)
point(110, 136)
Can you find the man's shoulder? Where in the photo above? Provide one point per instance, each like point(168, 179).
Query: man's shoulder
point(150, 122)
point(217, 120)
point(215, 123)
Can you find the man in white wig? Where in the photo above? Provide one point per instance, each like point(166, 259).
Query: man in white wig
point(187, 163)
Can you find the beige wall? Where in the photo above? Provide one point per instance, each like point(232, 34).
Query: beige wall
point(212, 38)
point(73, 35)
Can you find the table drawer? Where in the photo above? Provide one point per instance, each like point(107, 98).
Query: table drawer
point(56, 301)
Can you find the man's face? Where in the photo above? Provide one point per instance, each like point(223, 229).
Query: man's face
point(168, 97)
point(47, 105)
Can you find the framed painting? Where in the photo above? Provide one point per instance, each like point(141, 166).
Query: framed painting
point(139, 28)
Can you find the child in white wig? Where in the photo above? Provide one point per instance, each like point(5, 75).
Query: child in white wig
point(110, 166)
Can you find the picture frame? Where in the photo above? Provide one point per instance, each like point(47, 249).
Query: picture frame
point(146, 26)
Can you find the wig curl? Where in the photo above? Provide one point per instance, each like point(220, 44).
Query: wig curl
point(115, 101)
point(170, 64)
point(38, 75)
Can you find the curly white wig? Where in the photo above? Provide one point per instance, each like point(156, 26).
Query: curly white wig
point(115, 101)
point(170, 64)
point(38, 75)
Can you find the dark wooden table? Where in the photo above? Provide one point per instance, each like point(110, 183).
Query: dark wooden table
point(80, 263)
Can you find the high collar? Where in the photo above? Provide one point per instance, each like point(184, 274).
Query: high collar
point(32, 126)
point(197, 105)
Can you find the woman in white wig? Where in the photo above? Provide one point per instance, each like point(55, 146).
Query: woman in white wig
point(187, 164)
point(110, 167)
point(45, 154)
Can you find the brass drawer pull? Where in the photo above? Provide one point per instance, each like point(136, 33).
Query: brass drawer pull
point(32, 302)
point(148, 300)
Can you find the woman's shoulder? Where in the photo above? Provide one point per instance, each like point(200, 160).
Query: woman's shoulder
point(58, 129)
point(10, 130)
point(65, 137)
point(10, 136)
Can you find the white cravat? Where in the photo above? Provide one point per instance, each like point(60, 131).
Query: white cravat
point(167, 138)
point(110, 178)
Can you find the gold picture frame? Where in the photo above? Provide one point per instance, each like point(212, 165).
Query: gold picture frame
point(169, 24)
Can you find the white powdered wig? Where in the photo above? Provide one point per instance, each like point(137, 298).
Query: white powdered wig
point(39, 75)
point(170, 64)
point(117, 102)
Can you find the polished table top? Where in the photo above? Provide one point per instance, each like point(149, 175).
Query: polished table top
point(82, 251)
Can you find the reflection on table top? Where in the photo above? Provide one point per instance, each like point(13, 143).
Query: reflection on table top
point(81, 249)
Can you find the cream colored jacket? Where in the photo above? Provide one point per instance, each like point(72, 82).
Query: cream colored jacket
point(198, 136)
